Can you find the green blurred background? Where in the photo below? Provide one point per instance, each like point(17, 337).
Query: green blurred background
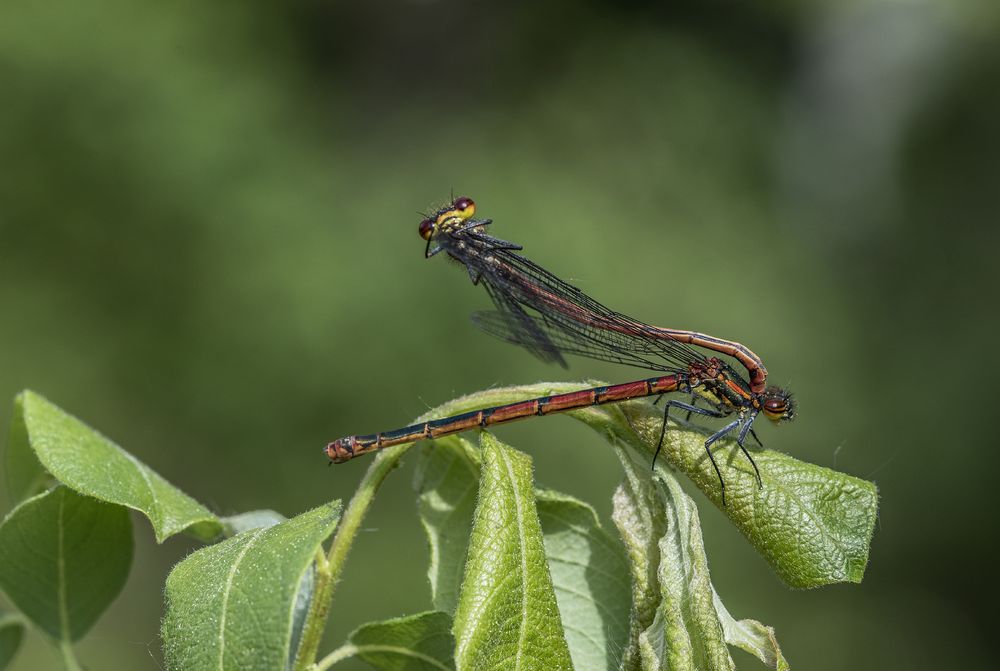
point(209, 252)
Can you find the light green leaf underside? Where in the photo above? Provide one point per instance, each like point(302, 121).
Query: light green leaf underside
point(11, 633)
point(686, 633)
point(254, 519)
point(233, 605)
point(63, 559)
point(421, 642)
point(688, 627)
point(639, 515)
point(507, 616)
point(590, 575)
point(91, 464)
point(752, 636)
point(447, 480)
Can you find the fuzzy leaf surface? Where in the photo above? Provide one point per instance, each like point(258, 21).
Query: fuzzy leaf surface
point(63, 559)
point(590, 575)
point(87, 462)
point(447, 480)
point(234, 605)
point(507, 615)
point(421, 642)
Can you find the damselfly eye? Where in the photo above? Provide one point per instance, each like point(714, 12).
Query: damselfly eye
point(775, 406)
point(426, 228)
point(463, 203)
point(778, 404)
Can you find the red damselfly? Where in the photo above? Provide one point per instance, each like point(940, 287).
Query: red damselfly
point(549, 317)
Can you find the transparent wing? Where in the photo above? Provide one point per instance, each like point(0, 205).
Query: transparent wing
point(547, 316)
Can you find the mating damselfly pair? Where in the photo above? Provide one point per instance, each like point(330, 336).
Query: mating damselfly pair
point(550, 318)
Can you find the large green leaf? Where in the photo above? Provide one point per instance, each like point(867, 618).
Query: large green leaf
point(234, 605)
point(686, 633)
point(588, 567)
point(590, 575)
point(507, 615)
point(690, 628)
point(84, 460)
point(447, 480)
point(812, 524)
point(63, 559)
point(11, 633)
point(421, 642)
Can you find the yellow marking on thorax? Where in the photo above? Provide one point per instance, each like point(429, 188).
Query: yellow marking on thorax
point(453, 218)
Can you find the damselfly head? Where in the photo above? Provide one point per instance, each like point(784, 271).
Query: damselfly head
point(778, 404)
point(449, 216)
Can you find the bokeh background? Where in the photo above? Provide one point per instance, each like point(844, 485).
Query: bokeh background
point(209, 252)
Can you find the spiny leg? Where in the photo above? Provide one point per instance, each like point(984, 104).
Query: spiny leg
point(708, 448)
point(666, 414)
point(748, 428)
point(694, 401)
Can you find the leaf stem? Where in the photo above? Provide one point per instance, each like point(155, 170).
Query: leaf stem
point(328, 571)
point(68, 656)
point(343, 652)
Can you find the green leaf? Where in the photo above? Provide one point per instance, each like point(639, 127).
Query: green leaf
point(421, 642)
point(690, 628)
point(254, 519)
point(233, 605)
point(590, 576)
point(812, 524)
point(641, 520)
point(11, 633)
point(25, 475)
point(63, 559)
point(89, 463)
point(686, 632)
point(751, 636)
point(447, 480)
point(507, 615)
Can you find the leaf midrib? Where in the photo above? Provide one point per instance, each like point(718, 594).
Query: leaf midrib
point(228, 590)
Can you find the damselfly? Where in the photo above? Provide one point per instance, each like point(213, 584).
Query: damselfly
point(549, 317)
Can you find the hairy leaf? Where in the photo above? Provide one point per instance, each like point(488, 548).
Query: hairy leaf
point(87, 462)
point(590, 575)
point(641, 520)
point(421, 642)
point(507, 615)
point(63, 559)
point(233, 605)
point(447, 480)
point(254, 519)
point(812, 524)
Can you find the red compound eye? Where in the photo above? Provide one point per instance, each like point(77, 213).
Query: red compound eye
point(426, 228)
point(775, 405)
point(463, 203)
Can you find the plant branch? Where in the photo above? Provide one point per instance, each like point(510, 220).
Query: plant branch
point(69, 658)
point(328, 569)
